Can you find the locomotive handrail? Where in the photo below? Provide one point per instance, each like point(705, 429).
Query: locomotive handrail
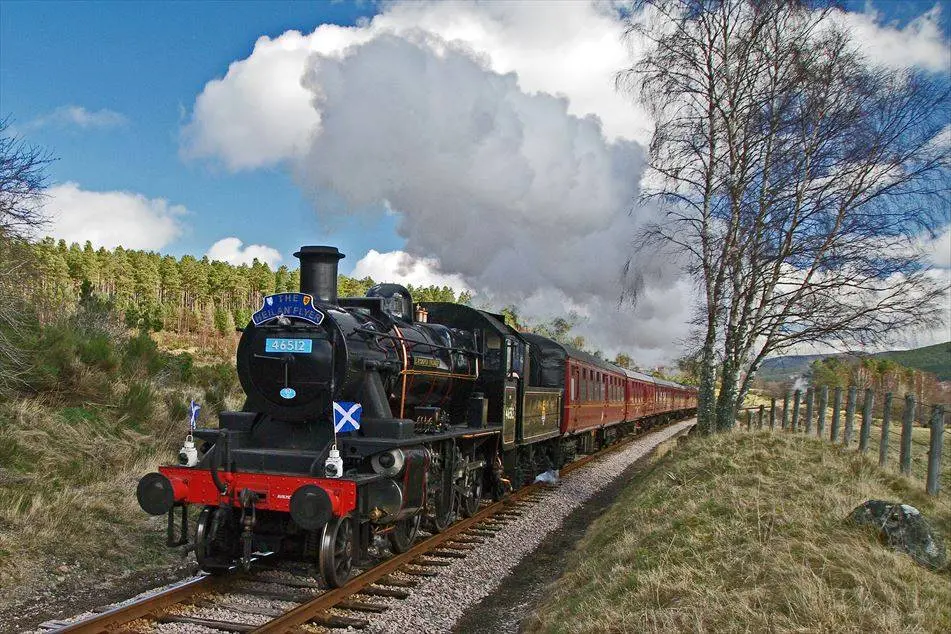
point(375, 333)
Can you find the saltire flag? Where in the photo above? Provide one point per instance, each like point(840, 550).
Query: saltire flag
point(194, 408)
point(347, 416)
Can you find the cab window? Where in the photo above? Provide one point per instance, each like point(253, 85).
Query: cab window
point(493, 351)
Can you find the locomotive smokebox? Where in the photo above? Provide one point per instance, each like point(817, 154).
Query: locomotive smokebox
point(318, 271)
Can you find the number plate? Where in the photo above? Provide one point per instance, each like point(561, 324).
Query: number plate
point(301, 346)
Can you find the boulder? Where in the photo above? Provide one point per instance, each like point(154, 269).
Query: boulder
point(904, 528)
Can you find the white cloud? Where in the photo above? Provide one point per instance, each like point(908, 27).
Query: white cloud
point(80, 117)
point(920, 43)
point(233, 251)
point(938, 249)
point(259, 114)
point(111, 219)
point(402, 268)
point(572, 49)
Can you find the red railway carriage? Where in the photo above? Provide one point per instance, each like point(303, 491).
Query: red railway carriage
point(640, 395)
point(597, 393)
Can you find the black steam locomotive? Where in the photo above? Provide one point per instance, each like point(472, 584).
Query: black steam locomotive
point(368, 416)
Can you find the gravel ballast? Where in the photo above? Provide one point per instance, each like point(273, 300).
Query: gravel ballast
point(438, 602)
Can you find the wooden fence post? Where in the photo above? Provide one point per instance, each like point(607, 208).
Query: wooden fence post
point(934, 451)
point(908, 419)
point(749, 419)
point(883, 443)
point(810, 398)
point(759, 419)
point(849, 417)
point(866, 419)
point(794, 423)
point(836, 410)
point(785, 411)
point(772, 414)
point(823, 404)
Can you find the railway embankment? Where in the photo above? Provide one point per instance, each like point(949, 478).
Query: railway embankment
point(97, 407)
point(749, 531)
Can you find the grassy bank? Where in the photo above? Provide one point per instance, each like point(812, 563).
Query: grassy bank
point(99, 407)
point(745, 532)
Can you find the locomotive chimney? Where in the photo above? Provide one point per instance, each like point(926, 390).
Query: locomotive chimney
point(318, 271)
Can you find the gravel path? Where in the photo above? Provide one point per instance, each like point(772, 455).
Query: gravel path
point(437, 603)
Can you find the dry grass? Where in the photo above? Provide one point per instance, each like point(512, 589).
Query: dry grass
point(745, 532)
point(72, 453)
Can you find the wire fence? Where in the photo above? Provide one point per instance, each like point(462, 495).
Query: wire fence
point(807, 413)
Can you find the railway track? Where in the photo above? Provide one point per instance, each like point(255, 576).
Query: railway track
point(350, 606)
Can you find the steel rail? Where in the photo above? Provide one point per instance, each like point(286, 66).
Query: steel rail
point(117, 617)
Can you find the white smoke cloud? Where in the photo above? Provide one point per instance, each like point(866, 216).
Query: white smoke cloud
point(233, 251)
point(111, 219)
point(506, 189)
point(402, 268)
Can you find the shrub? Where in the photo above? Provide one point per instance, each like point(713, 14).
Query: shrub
point(137, 404)
point(97, 349)
point(224, 321)
point(141, 355)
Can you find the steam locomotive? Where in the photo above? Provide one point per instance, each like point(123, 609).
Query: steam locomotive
point(372, 417)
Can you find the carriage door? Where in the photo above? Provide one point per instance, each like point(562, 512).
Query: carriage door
point(575, 394)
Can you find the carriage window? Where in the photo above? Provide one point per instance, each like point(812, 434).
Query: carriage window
point(574, 388)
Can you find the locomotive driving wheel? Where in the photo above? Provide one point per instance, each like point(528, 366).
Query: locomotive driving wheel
point(469, 505)
point(442, 493)
point(404, 534)
point(336, 551)
point(215, 537)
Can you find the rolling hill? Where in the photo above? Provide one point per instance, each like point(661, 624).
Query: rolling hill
point(935, 359)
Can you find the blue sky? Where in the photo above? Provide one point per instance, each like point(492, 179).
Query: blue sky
point(148, 61)
point(180, 102)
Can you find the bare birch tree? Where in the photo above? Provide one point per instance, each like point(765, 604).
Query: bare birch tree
point(794, 175)
point(23, 180)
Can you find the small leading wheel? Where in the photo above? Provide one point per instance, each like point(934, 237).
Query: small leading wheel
point(336, 551)
point(473, 497)
point(404, 534)
point(214, 544)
